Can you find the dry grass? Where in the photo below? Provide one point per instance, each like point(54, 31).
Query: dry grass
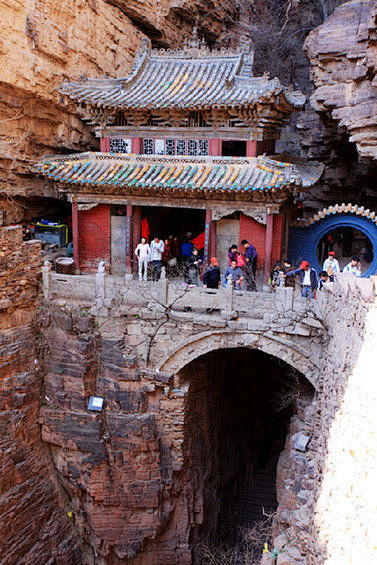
point(247, 551)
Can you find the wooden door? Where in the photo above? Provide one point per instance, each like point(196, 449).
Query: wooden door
point(118, 244)
point(227, 233)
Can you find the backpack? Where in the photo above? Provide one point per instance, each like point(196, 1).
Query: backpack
point(240, 261)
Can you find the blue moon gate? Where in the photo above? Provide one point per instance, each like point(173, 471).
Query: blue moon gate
point(304, 239)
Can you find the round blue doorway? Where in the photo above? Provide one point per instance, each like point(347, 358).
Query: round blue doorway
point(304, 240)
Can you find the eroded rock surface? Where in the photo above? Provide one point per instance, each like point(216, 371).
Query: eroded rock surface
point(35, 526)
point(343, 60)
point(44, 42)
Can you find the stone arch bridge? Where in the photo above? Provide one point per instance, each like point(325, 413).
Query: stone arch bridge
point(126, 469)
point(169, 325)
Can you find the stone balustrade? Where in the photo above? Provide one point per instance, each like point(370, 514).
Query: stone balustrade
point(103, 292)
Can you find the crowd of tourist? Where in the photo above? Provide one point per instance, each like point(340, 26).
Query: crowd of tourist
point(186, 260)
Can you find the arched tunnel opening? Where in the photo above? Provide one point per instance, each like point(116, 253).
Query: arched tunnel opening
point(237, 416)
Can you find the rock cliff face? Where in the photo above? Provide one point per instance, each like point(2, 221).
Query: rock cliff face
point(43, 42)
point(343, 61)
point(35, 526)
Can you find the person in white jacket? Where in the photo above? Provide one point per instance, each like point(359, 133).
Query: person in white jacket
point(142, 254)
point(353, 267)
point(155, 257)
point(331, 265)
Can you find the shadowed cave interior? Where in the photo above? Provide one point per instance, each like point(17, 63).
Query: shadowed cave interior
point(238, 411)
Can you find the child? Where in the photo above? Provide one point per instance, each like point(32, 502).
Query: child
point(276, 276)
point(323, 278)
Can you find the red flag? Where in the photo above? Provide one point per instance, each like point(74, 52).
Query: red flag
point(198, 241)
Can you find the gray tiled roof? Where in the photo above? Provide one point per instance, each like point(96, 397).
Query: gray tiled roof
point(172, 174)
point(194, 78)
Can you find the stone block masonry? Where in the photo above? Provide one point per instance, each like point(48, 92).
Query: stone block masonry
point(34, 524)
point(116, 465)
point(123, 485)
point(326, 499)
point(126, 466)
point(125, 469)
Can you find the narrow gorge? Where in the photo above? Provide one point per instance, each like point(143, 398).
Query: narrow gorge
point(232, 426)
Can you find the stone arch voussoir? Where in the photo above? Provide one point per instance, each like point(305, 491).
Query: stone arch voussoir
point(205, 342)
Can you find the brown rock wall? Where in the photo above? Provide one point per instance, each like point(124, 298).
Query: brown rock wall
point(34, 526)
point(343, 60)
point(45, 42)
point(111, 463)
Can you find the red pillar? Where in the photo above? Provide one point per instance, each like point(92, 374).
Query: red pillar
point(129, 249)
point(105, 145)
point(136, 234)
point(75, 237)
point(268, 247)
point(207, 233)
point(136, 145)
point(212, 239)
point(251, 148)
point(215, 147)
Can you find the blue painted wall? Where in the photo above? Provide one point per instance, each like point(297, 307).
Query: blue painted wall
point(303, 242)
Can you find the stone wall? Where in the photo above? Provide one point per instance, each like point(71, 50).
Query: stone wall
point(345, 507)
point(34, 521)
point(326, 506)
point(111, 337)
point(127, 471)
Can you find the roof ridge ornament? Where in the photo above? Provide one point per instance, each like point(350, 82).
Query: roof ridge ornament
point(194, 41)
point(140, 60)
point(245, 44)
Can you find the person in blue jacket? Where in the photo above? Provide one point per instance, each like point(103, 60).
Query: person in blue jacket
point(308, 279)
point(234, 274)
point(211, 275)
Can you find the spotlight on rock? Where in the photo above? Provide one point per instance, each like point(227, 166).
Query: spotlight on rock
point(95, 403)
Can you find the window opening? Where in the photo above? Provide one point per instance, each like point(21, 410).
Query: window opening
point(120, 145)
point(234, 148)
point(159, 146)
point(170, 147)
point(190, 147)
point(148, 148)
point(203, 147)
point(181, 147)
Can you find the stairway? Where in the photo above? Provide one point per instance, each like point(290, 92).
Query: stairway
point(259, 492)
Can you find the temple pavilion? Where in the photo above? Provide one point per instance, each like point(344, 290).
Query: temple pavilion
point(186, 145)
